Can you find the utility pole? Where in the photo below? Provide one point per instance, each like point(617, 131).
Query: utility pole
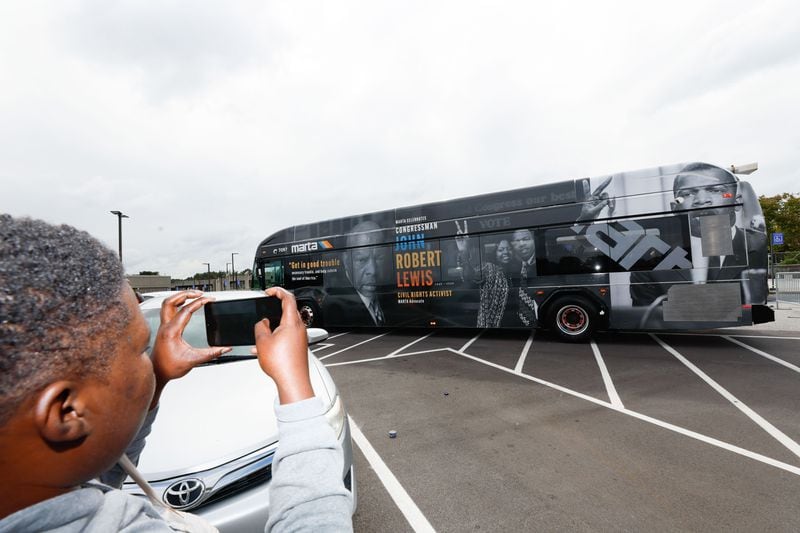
point(120, 216)
point(209, 273)
point(233, 269)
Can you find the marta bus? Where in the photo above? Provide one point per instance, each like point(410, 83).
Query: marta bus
point(674, 247)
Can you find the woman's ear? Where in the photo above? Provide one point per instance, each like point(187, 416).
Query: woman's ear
point(59, 413)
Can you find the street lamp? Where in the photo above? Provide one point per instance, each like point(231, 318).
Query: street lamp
point(227, 269)
point(209, 273)
point(233, 269)
point(120, 216)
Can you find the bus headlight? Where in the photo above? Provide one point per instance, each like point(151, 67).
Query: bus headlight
point(335, 416)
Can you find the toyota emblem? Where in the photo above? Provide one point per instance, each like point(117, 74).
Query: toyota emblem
point(185, 493)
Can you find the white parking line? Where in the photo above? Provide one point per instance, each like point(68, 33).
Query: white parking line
point(532, 378)
point(660, 423)
point(764, 337)
point(602, 403)
point(338, 335)
point(741, 336)
point(755, 417)
point(401, 498)
point(714, 442)
point(473, 339)
point(610, 389)
point(397, 351)
point(763, 354)
point(524, 354)
point(322, 346)
point(353, 346)
point(381, 358)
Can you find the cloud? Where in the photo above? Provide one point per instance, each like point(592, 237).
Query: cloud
point(719, 52)
point(213, 125)
point(173, 47)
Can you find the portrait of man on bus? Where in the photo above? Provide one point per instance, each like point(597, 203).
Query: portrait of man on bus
point(360, 299)
point(721, 249)
point(523, 267)
point(705, 188)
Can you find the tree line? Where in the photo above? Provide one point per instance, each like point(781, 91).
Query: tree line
point(782, 214)
point(218, 274)
point(221, 274)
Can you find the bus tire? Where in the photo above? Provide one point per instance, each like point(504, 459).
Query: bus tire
point(572, 318)
point(309, 313)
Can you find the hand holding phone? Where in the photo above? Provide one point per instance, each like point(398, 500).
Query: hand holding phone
point(283, 354)
point(231, 322)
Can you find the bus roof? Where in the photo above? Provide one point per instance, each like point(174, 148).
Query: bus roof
point(561, 193)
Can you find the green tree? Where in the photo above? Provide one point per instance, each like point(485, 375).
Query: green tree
point(782, 214)
point(215, 274)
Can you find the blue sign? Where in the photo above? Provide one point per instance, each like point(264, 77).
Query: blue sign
point(777, 238)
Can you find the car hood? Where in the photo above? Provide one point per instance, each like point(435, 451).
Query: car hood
point(213, 415)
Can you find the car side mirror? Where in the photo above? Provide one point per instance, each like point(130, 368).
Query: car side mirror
point(316, 335)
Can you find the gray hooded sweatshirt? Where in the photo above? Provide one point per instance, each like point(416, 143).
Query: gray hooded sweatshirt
point(306, 491)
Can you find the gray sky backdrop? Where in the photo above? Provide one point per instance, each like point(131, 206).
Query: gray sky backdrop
point(213, 124)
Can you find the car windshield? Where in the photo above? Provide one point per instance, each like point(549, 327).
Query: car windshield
point(194, 334)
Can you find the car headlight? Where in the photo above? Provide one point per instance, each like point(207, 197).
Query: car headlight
point(335, 416)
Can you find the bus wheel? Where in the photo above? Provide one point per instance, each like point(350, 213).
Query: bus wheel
point(308, 313)
point(572, 318)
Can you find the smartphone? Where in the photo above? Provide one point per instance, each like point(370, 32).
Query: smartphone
point(231, 322)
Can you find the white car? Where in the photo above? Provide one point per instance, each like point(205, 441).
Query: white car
point(211, 447)
point(156, 294)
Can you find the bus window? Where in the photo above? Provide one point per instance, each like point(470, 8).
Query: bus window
point(569, 253)
point(272, 274)
point(665, 234)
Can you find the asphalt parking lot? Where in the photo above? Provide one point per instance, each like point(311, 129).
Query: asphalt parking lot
point(507, 431)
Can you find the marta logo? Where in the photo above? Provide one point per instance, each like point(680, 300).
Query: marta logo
point(311, 246)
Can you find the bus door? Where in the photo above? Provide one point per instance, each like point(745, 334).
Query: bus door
point(272, 273)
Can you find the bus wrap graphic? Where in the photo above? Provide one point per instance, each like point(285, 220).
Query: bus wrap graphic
point(629, 245)
point(626, 249)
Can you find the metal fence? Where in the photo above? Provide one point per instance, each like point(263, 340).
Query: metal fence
point(787, 285)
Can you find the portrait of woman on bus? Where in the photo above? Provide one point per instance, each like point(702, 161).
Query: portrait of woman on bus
point(494, 279)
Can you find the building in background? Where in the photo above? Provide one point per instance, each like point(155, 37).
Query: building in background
point(144, 283)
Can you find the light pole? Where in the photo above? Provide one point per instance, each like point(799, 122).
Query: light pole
point(209, 273)
point(227, 268)
point(120, 216)
point(233, 269)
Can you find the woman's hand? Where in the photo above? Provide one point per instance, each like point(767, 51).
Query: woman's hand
point(462, 237)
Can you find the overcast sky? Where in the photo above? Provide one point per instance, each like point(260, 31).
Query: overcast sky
point(214, 124)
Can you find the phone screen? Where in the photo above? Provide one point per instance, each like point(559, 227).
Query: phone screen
point(231, 322)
